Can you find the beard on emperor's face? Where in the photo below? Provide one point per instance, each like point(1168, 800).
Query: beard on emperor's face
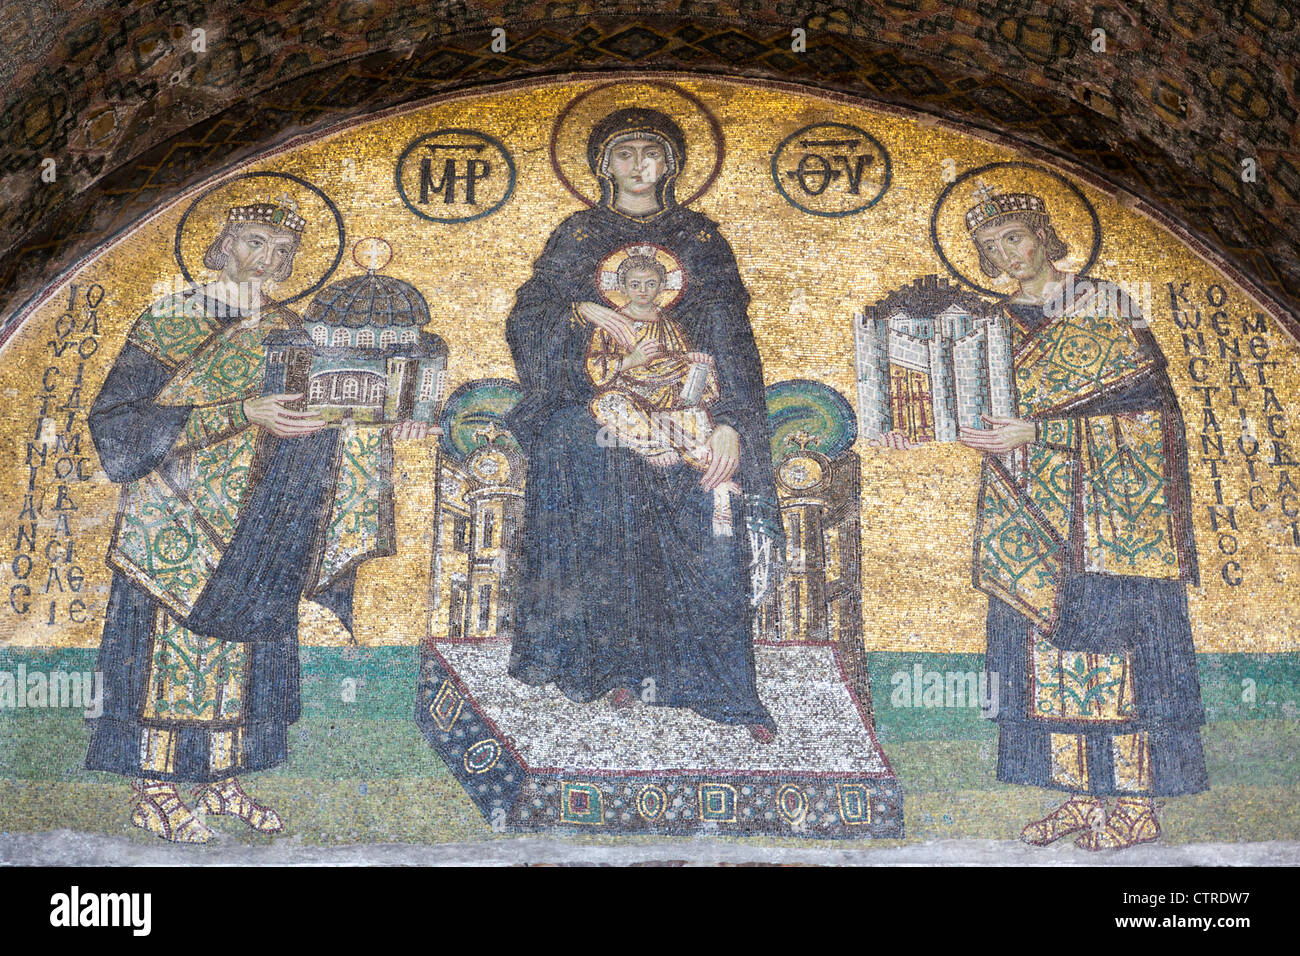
point(257, 254)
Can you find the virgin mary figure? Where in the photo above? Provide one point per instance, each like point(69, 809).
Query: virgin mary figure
point(628, 586)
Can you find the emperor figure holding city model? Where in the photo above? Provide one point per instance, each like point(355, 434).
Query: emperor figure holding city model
point(1083, 544)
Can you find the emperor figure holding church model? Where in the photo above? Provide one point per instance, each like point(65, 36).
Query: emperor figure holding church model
point(237, 502)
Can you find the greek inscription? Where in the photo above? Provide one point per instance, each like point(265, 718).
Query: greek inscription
point(455, 175)
point(831, 169)
point(44, 543)
point(1238, 431)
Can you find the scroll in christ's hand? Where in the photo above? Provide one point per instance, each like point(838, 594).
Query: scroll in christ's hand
point(416, 430)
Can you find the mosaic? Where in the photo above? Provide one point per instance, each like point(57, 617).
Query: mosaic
point(1187, 103)
point(657, 456)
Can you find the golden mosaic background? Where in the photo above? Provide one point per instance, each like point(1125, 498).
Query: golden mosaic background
point(807, 276)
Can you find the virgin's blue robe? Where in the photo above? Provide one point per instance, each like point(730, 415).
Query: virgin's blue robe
point(622, 581)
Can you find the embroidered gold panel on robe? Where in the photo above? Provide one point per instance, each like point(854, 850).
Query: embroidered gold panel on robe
point(193, 678)
point(1018, 553)
point(1128, 526)
point(1079, 686)
point(1111, 470)
point(160, 545)
point(1074, 357)
point(1132, 756)
point(358, 526)
point(1069, 761)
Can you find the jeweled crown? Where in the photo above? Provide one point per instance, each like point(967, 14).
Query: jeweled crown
point(991, 205)
point(271, 213)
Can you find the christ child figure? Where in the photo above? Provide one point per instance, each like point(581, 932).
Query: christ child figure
point(652, 391)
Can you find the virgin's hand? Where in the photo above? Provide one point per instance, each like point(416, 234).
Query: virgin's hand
point(724, 457)
point(606, 318)
point(270, 412)
point(415, 430)
point(1002, 435)
point(895, 440)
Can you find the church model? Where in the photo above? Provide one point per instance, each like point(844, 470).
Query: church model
point(361, 353)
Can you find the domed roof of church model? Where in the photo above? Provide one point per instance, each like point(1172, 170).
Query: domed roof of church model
point(370, 299)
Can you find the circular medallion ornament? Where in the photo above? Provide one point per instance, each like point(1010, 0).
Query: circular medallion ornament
point(705, 146)
point(831, 169)
point(801, 473)
point(173, 545)
point(1079, 351)
point(650, 802)
point(482, 756)
point(984, 196)
point(237, 367)
point(1128, 482)
point(674, 274)
point(1018, 544)
point(278, 201)
point(490, 466)
point(455, 175)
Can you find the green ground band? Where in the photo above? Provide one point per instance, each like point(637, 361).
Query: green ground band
point(377, 684)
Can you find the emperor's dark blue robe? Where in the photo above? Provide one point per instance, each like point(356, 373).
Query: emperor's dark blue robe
point(252, 595)
point(622, 582)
